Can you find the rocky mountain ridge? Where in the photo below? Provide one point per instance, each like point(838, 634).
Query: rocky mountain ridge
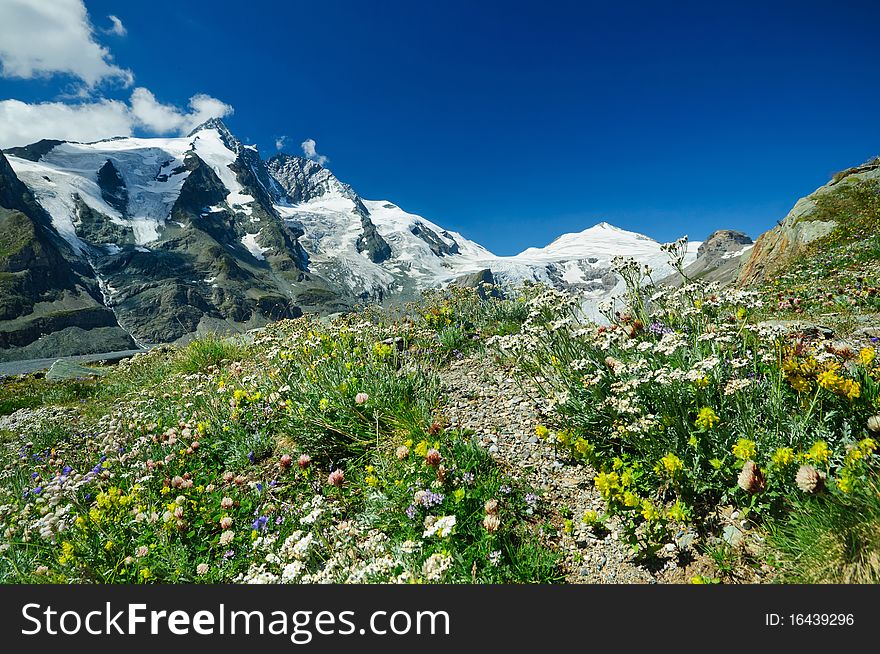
point(165, 237)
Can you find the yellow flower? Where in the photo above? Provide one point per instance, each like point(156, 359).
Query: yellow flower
point(845, 482)
point(631, 500)
point(145, 573)
point(671, 464)
point(783, 456)
point(422, 448)
point(829, 380)
point(590, 518)
point(67, 553)
point(867, 445)
point(606, 483)
point(800, 384)
point(324, 404)
point(867, 356)
point(649, 511)
point(706, 418)
point(702, 382)
point(820, 453)
point(542, 432)
point(744, 449)
point(583, 447)
point(371, 480)
point(568, 527)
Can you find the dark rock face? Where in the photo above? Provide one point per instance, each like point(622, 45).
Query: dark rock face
point(723, 241)
point(34, 151)
point(438, 246)
point(371, 243)
point(45, 287)
point(483, 281)
point(113, 187)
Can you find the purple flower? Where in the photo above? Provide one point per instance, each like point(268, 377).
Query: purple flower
point(260, 523)
point(66, 470)
point(228, 554)
point(531, 499)
point(411, 511)
point(251, 457)
point(432, 499)
point(505, 489)
point(34, 475)
point(259, 487)
point(467, 477)
point(37, 490)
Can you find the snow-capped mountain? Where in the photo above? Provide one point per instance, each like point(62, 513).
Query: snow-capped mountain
point(178, 235)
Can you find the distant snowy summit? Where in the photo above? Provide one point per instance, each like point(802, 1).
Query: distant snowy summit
point(169, 236)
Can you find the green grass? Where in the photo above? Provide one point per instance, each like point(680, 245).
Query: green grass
point(830, 539)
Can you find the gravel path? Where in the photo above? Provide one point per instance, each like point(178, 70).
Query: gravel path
point(486, 398)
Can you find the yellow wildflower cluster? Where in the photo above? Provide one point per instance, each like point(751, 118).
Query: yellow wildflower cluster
point(706, 418)
point(670, 465)
point(744, 449)
point(801, 373)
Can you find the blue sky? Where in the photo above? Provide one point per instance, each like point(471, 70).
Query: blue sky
point(514, 122)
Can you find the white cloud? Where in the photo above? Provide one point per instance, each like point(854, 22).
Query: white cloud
point(116, 26)
point(165, 118)
point(279, 142)
point(309, 150)
point(22, 123)
point(39, 38)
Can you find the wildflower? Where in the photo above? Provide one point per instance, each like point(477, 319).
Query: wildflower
point(819, 453)
point(361, 398)
point(435, 428)
point(751, 479)
point(606, 483)
point(435, 566)
point(867, 356)
point(829, 379)
point(590, 518)
point(494, 557)
point(671, 464)
point(202, 569)
point(491, 523)
point(225, 522)
point(260, 523)
point(809, 480)
point(631, 500)
point(706, 418)
point(432, 457)
point(285, 461)
point(402, 452)
point(744, 449)
point(227, 537)
point(542, 432)
point(336, 478)
point(845, 482)
point(531, 499)
point(491, 506)
point(142, 551)
point(783, 456)
point(145, 574)
point(421, 449)
point(303, 461)
point(649, 511)
point(442, 526)
point(226, 503)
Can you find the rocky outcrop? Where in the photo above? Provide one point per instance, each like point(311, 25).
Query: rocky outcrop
point(812, 218)
point(45, 287)
point(719, 258)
